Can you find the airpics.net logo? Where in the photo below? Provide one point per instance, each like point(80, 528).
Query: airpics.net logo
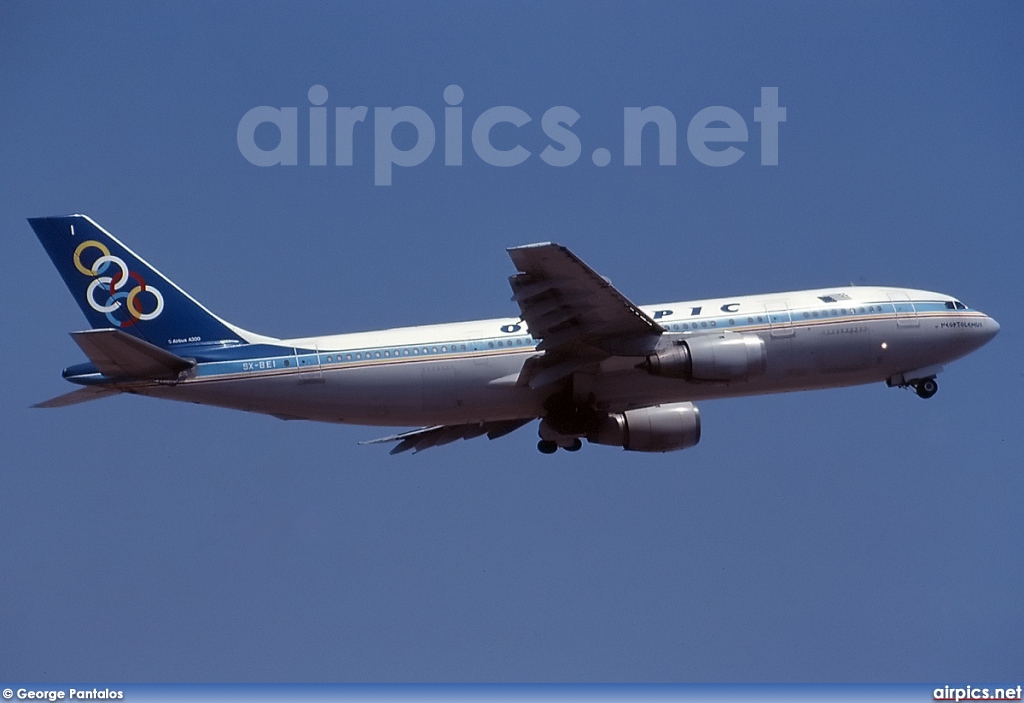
point(712, 134)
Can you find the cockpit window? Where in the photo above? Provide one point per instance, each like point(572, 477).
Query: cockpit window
point(950, 305)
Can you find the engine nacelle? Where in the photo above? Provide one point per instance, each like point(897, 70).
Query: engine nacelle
point(720, 357)
point(662, 428)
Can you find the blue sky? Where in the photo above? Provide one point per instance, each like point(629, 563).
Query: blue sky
point(846, 535)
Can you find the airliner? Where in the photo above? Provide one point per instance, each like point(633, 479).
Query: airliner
point(580, 357)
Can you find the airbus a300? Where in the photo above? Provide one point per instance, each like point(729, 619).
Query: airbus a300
point(580, 357)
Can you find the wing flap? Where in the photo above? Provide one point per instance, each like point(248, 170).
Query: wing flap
point(119, 355)
point(438, 435)
point(523, 290)
point(557, 372)
point(565, 337)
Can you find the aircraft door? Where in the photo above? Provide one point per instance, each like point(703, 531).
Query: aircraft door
point(906, 313)
point(310, 370)
point(779, 319)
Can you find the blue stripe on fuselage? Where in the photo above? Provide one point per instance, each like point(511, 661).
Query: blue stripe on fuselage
point(242, 360)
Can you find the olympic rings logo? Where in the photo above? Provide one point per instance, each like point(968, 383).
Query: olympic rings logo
point(113, 287)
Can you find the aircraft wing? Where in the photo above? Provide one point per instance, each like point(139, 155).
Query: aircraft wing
point(427, 437)
point(578, 315)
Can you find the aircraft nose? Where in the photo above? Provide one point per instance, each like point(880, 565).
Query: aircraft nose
point(971, 334)
point(991, 327)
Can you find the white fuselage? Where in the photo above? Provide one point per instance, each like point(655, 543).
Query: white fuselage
point(470, 371)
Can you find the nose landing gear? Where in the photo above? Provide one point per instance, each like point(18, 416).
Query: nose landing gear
point(926, 387)
point(922, 381)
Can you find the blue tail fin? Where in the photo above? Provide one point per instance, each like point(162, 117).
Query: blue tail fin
point(115, 288)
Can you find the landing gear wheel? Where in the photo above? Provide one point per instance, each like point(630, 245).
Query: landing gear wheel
point(927, 387)
point(546, 446)
point(576, 445)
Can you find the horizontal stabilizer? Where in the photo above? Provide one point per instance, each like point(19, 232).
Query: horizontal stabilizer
point(119, 355)
point(82, 395)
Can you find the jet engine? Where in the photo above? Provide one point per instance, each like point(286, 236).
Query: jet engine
point(661, 428)
point(721, 357)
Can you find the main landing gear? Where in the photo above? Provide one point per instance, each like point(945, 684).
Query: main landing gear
point(547, 446)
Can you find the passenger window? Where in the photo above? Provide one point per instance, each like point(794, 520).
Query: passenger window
point(444, 349)
point(491, 345)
